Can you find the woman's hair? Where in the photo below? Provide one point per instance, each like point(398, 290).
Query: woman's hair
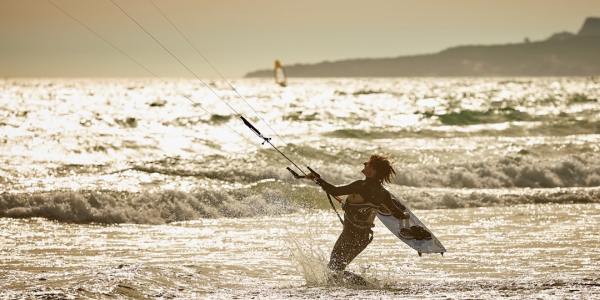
point(383, 168)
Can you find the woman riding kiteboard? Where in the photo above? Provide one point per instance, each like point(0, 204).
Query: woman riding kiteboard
point(366, 198)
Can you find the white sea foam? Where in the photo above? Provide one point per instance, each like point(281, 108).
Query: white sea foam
point(145, 208)
point(517, 171)
point(311, 261)
point(269, 199)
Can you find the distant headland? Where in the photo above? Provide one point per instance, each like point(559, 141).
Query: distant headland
point(562, 54)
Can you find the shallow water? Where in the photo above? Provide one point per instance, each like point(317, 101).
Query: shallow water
point(121, 187)
point(523, 251)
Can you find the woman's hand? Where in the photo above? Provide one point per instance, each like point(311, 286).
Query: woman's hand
point(312, 176)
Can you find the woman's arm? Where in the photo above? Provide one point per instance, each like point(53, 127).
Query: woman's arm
point(398, 210)
point(352, 188)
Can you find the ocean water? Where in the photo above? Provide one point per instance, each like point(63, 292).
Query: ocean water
point(124, 188)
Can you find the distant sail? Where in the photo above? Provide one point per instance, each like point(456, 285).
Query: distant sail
point(279, 73)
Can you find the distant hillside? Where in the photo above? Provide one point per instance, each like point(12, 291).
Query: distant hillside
point(562, 54)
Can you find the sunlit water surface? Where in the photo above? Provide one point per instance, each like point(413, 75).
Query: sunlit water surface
point(122, 187)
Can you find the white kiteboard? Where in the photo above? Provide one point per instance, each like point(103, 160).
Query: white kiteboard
point(432, 245)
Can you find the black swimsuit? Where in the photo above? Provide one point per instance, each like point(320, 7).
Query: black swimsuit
point(358, 217)
point(375, 197)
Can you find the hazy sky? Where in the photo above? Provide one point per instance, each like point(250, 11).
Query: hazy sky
point(242, 35)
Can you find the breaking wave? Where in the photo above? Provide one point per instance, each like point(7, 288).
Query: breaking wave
point(144, 208)
point(529, 168)
point(461, 198)
point(550, 128)
point(469, 117)
point(267, 199)
point(509, 172)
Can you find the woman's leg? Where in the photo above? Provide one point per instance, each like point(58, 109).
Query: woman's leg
point(347, 247)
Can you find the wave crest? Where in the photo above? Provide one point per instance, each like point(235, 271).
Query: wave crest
point(142, 208)
point(569, 171)
point(451, 199)
point(267, 199)
point(470, 117)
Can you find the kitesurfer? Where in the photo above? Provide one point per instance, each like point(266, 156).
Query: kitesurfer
point(366, 198)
